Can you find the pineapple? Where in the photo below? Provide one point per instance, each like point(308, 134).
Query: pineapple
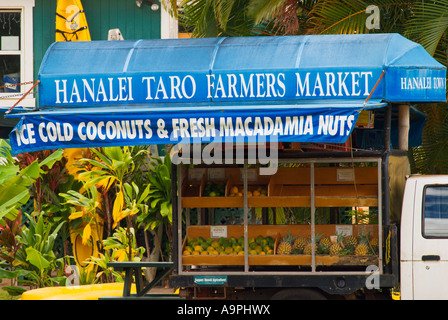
point(324, 245)
point(285, 246)
point(350, 241)
point(299, 244)
point(363, 247)
point(337, 247)
point(309, 245)
point(308, 248)
point(374, 242)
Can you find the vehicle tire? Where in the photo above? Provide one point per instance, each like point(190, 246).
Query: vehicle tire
point(298, 294)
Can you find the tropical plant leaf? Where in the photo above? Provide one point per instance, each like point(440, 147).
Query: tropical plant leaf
point(11, 205)
point(86, 233)
point(36, 258)
point(118, 208)
point(13, 290)
point(51, 159)
point(7, 274)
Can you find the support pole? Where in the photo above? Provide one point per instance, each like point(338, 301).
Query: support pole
point(387, 127)
point(246, 217)
point(403, 127)
point(313, 220)
point(176, 212)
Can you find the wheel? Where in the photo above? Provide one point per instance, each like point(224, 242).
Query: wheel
point(298, 294)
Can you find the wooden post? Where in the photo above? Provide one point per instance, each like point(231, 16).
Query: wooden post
point(403, 126)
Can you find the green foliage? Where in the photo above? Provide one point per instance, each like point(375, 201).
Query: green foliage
point(9, 244)
point(88, 213)
point(119, 244)
point(216, 18)
point(159, 197)
point(430, 157)
point(116, 248)
point(349, 17)
point(105, 274)
point(111, 170)
point(428, 26)
point(14, 183)
point(36, 253)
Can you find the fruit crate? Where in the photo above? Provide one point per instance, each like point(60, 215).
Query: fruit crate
point(230, 179)
point(290, 187)
point(232, 259)
point(276, 233)
point(194, 182)
point(325, 258)
point(333, 186)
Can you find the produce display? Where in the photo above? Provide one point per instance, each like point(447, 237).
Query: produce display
point(236, 191)
point(218, 189)
point(332, 245)
point(229, 246)
point(288, 245)
point(214, 189)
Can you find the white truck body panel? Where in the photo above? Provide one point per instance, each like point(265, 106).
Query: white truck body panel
point(424, 238)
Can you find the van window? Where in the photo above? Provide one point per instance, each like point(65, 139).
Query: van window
point(435, 212)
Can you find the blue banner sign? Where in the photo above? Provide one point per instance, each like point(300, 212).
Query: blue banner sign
point(312, 124)
point(79, 90)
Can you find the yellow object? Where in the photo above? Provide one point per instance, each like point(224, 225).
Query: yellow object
point(82, 252)
point(365, 120)
point(396, 295)
point(72, 155)
point(71, 23)
point(84, 292)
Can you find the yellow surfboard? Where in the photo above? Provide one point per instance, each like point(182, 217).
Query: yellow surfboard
point(71, 22)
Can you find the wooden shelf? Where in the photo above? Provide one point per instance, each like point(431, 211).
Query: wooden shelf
point(279, 231)
point(281, 260)
point(290, 187)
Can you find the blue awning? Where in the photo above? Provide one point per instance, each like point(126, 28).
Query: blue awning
point(243, 87)
point(297, 68)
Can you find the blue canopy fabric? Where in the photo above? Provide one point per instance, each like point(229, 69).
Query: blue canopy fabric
point(247, 83)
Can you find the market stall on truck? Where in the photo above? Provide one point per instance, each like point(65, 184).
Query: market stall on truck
point(302, 127)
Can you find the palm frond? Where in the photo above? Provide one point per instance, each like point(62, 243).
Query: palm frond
point(171, 6)
point(431, 157)
point(429, 24)
point(264, 10)
point(348, 17)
